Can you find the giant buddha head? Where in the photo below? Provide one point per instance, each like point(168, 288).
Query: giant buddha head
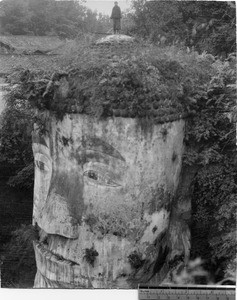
point(107, 168)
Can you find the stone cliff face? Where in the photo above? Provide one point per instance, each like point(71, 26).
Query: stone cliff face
point(103, 197)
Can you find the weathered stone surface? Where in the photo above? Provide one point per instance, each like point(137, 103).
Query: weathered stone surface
point(115, 38)
point(103, 197)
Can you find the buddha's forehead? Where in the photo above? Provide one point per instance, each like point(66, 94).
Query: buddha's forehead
point(122, 138)
point(90, 131)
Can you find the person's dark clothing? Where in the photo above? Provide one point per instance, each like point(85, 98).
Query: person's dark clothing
point(116, 13)
point(116, 16)
point(116, 25)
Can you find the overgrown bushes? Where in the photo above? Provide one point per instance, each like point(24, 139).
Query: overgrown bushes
point(204, 25)
point(211, 148)
point(19, 268)
point(131, 80)
point(15, 140)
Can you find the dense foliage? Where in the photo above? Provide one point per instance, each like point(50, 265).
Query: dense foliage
point(19, 268)
point(205, 25)
point(211, 148)
point(50, 17)
point(15, 140)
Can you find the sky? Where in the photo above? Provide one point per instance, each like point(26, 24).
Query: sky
point(106, 6)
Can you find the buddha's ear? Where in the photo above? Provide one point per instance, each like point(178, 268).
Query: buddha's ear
point(179, 238)
point(181, 215)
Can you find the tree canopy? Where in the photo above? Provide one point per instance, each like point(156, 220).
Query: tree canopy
point(205, 25)
point(49, 17)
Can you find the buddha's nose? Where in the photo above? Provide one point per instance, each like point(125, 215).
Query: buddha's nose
point(64, 206)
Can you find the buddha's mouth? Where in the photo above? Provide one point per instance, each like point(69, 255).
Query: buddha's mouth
point(41, 245)
point(48, 254)
point(54, 269)
point(57, 270)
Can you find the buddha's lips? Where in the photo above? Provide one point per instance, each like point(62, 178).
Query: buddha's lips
point(52, 256)
point(63, 273)
point(56, 268)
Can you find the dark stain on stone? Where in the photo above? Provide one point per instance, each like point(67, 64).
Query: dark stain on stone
point(164, 133)
point(154, 229)
point(159, 239)
point(70, 187)
point(161, 199)
point(145, 125)
point(175, 261)
point(135, 259)
point(174, 156)
point(91, 220)
point(142, 211)
point(161, 259)
point(90, 255)
point(65, 141)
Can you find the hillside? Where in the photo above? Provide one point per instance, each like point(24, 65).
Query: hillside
point(24, 44)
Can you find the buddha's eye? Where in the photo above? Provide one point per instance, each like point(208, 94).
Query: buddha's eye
point(92, 174)
point(41, 166)
point(99, 178)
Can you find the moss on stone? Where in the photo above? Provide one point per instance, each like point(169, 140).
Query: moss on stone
point(161, 200)
point(135, 259)
point(90, 255)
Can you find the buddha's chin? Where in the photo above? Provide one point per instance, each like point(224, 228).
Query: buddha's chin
point(53, 271)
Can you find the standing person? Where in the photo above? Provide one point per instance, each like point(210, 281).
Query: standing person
point(116, 17)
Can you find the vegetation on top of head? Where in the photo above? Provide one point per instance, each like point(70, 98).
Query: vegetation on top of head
point(129, 80)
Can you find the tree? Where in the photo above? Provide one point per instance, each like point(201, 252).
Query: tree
point(42, 17)
point(211, 25)
point(205, 25)
point(15, 140)
point(158, 20)
point(15, 16)
point(211, 149)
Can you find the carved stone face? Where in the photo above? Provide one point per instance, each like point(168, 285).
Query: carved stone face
point(102, 198)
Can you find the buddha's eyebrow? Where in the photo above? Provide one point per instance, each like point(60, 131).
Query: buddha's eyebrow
point(98, 145)
point(38, 139)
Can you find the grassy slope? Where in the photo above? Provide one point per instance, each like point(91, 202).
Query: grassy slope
point(32, 43)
